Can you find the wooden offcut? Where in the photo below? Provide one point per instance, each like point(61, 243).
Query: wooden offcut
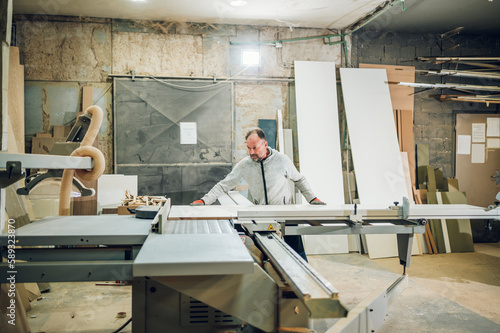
point(43, 145)
point(61, 131)
point(459, 231)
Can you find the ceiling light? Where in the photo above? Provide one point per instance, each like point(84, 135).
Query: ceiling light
point(238, 3)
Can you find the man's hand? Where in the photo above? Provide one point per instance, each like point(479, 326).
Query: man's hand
point(316, 201)
point(198, 203)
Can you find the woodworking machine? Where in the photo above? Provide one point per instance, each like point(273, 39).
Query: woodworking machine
point(197, 270)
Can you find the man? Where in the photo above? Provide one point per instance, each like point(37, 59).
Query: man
point(266, 171)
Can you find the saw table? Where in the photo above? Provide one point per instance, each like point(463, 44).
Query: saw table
point(192, 272)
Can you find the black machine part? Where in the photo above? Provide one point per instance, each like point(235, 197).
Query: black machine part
point(146, 212)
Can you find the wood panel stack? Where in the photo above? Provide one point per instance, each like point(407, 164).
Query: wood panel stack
point(448, 235)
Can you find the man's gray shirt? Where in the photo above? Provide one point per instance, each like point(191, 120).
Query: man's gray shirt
point(278, 169)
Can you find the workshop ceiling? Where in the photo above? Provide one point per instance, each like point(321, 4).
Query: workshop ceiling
point(476, 16)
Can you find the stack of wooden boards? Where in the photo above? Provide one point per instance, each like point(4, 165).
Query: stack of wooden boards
point(445, 236)
point(43, 142)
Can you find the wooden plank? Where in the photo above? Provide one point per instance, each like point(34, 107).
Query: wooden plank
point(397, 121)
point(459, 231)
point(429, 235)
point(87, 97)
point(444, 226)
point(15, 206)
point(316, 88)
point(288, 151)
point(61, 131)
point(431, 179)
point(453, 185)
point(435, 225)
point(422, 154)
point(280, 138)
point(441, 182)
point(16, 101)
point(407, 141)
point(406, 169)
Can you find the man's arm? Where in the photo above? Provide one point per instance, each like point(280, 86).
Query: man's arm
point(224, 186)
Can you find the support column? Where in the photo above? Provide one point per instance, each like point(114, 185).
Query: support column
point(405, 244)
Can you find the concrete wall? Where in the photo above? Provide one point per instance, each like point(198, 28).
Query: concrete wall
point(70, 52)
point(433, 120)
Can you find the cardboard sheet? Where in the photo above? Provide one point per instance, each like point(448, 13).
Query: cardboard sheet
point(319, 141)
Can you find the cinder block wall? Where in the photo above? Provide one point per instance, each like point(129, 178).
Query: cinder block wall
point(433, 120)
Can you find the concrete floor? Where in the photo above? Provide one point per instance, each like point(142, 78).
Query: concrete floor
point(456, 292)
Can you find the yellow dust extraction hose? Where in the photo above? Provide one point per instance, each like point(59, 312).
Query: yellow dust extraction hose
point(85, 149)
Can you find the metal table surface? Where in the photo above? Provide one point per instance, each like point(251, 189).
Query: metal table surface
point(207, 248)
point(82, 230)
point(454, 211)
point(368, 212)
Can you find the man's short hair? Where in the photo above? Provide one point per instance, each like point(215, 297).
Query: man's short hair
point(260, 133)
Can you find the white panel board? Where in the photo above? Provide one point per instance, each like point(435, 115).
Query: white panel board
point(373, 137)
point(375, 151)
point(319, 142)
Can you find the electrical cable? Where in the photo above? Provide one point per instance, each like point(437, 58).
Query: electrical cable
point(198, 87)
point(123, 326)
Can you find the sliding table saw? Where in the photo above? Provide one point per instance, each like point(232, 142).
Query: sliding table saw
point(191, 272)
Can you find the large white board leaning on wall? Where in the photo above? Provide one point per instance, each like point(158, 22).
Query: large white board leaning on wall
point(375, 151)
point(319, 143)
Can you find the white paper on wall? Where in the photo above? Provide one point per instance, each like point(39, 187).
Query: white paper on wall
point(478, 132)
point(493, 126)
point(492, 143)
point(478, 153)
point(188, 133)
point(463, 144)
